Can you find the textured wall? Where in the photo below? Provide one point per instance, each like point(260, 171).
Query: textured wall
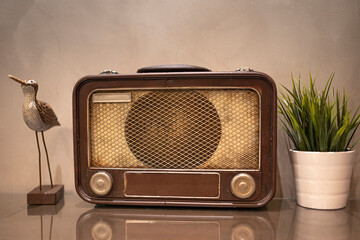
point(57, 42)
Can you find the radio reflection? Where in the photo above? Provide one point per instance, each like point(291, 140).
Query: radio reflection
point(313, 224)
point(186, 224)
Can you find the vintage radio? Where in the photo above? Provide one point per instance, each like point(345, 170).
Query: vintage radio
point(176, 135)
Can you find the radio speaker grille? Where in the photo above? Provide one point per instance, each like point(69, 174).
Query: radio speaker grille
point(176, 129)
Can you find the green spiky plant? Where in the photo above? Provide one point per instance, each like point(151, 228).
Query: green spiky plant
point(317, 120)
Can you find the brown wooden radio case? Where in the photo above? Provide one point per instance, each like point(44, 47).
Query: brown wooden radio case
point(176, 135)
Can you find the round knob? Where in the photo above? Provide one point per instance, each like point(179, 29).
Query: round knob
point(101, 183)
point(243, 232)
point(243, 185)
point(101, 231)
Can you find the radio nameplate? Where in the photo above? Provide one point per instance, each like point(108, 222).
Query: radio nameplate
point(111, 97)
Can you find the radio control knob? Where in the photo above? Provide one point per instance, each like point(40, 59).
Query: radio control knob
point(101, 183)
point(243, 185)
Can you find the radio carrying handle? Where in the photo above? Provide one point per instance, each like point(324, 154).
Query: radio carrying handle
point(173, 68)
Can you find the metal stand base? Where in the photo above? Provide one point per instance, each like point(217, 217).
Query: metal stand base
point(47, 195)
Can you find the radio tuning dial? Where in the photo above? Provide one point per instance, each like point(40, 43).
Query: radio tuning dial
point(243, 185)
point(101, 183)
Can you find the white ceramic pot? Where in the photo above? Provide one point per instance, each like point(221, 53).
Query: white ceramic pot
point(322, 179)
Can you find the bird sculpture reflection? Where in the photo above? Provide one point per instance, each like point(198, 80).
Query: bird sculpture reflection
point(38, 116)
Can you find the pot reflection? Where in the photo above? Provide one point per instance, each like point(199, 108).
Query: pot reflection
point(186, 224)
point(320, 224)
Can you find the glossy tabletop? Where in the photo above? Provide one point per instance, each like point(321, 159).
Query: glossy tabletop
point(72, 218)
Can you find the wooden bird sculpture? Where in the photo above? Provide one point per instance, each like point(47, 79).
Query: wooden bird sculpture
point(38, 116)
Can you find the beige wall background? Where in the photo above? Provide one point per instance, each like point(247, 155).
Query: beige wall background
point(58, 42)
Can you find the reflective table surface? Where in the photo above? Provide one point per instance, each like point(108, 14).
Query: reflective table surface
point(72, 218)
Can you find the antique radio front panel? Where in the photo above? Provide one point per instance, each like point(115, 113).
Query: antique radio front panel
point(197, 139)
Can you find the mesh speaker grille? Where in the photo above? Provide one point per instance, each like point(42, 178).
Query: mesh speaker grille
point(176, 129)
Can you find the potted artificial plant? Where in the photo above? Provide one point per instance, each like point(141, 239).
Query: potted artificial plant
point(320, 127)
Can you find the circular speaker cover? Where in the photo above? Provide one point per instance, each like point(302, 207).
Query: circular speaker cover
point(173, 129)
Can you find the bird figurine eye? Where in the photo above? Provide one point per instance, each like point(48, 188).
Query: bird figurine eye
point(31, 82)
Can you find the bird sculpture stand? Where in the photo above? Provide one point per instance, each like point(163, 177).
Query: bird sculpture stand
point(39, 117)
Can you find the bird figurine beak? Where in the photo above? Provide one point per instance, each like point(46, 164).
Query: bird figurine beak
point(17, 79)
